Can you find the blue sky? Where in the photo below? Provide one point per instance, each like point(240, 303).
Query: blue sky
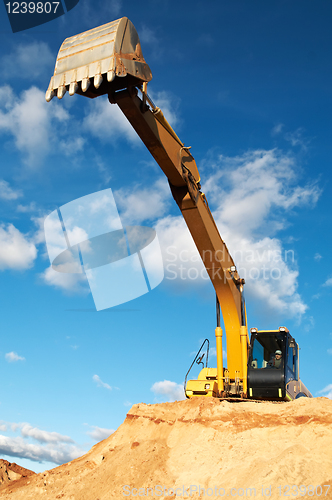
point(247, 85)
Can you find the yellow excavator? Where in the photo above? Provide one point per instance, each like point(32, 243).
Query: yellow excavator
point(108, 60)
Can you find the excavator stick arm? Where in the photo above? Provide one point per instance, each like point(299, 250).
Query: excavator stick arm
point(180, 168)
point(109, 60)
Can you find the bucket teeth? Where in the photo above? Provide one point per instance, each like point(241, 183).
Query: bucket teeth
point(100, 57)
point(61, 91)
point(49, 95)
point(85, 84)
point(97, 81)
point(110, 75)
point(73, 88)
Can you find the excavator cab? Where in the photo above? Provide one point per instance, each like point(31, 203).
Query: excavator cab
point(273, 366)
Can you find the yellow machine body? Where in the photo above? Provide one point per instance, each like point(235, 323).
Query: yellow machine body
point(205, 385)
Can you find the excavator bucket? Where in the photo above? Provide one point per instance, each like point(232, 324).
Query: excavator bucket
point(99, 61)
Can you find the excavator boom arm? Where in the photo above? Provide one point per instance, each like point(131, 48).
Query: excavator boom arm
point(109, 60)
point(180, 168)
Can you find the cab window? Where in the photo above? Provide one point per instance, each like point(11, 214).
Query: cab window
point(263, 352)
point(291, 359)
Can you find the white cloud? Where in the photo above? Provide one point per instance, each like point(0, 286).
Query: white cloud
point(56, 242)
point(250, 196)
point(72, 146)
point(169, 105)
point(139, 204)
point(150, 40)
point(99, 433)
point(326, 392)
point(24, 116)
point(309, 323)
point(296, 139)
point(18, 447)
point(16, 249)
point(30, 121)
point(6, 96)
point(70, 282)
point(213, 352)
point(7, 193)
point(51, 447)
point(31, 207)
point(148, 36)
point(107, 122)
point(100, 383)
point(43, 436)
point(75, 233)
point(318, 256)
point(29, 60)
point(255, 186)
point(13, 356)
point(103, 169)
point(170, 391)
point(259, 262)
point(39, 236)
point(37, 127)
point(328, 282)
point(277, 129)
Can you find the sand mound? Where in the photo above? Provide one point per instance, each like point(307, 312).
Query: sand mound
point(258, 449)
point(10, 472)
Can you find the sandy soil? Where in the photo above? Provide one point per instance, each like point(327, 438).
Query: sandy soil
point(9, 472)
point(278, 450)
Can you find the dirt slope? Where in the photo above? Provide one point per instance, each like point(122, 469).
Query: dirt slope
point(201, 443)
point(9, 472)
